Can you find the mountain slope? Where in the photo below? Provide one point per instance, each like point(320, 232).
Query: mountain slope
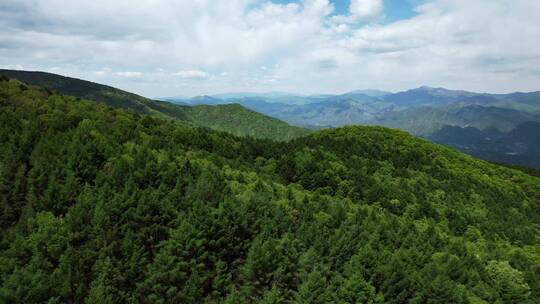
point(103, 206)
point(369, 92)
point(426, 96)
point(437, 97)
point(83, 89)
point(520, 146)
point(339, 110)
point(236, 120)
point(427, 120)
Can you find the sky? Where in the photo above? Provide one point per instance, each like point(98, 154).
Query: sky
point(160, 48)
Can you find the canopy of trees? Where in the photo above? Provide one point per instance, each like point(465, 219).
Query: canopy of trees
point(98, 205)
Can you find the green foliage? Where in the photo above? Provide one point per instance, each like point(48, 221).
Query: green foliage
point(237, 120)
point(100, 205)
point(234, 119)
point(508, 282)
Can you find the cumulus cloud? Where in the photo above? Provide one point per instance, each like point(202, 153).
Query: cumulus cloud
point(170, 47)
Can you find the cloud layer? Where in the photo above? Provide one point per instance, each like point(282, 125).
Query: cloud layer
point(168, 47)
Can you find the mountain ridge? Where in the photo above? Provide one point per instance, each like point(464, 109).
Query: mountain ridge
point(248, 123)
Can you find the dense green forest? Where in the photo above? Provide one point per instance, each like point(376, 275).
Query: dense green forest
point(217, 117)
point(101, 205)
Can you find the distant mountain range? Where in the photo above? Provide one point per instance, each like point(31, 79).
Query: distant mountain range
point(406, 110)
point(424, 111)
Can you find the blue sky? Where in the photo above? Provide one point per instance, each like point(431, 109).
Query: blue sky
point(393, 9)
point(186, 47)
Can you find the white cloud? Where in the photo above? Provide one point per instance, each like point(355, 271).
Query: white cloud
point(362, 9)
point(191, 74)
point(129, 74)
point(12, 67)
point(158, 47)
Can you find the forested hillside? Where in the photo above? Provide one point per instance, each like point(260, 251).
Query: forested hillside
point(100, 205)
point(234, 119)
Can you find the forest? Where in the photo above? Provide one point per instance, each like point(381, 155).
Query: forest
point(218, 117)
point(103, 205)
